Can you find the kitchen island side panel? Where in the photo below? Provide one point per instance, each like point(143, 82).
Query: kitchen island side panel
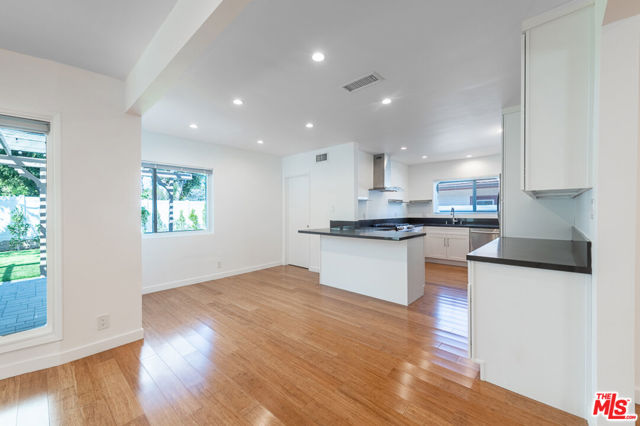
point(382, 269)
point(530, 331)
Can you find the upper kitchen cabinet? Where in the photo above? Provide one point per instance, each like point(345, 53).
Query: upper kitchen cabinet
point(557, 100)
point(365, 175)
point(421, 183)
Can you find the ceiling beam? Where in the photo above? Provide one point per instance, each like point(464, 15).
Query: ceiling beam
point(192, 25)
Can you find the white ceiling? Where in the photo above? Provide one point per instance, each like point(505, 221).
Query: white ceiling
point(449, 66)
point(105, 36)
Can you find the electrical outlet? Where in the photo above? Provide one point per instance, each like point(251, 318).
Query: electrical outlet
point(103, 322)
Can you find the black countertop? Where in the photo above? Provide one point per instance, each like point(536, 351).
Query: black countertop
point(424, 221)
point(557, 255)
point(461, 225)
point(369, 233)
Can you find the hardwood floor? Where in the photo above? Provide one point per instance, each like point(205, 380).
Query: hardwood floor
point(447, 275)
point(275, 347)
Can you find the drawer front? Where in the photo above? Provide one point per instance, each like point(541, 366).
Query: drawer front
point(446, 230)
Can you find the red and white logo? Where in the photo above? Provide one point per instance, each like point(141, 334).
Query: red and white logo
point(611, 407)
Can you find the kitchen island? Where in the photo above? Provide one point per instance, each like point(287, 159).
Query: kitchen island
point(387, 265)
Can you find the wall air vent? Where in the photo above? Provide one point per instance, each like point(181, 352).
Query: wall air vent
point(321, 157)
point(363, 82)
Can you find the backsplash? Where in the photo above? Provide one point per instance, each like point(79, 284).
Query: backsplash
point(378, 207)
point(426, 210)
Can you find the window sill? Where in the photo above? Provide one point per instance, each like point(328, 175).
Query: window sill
point(29, 338)
point(467, 213)
point(176, 234)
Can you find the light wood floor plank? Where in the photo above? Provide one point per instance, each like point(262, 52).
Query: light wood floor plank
point(275, 347)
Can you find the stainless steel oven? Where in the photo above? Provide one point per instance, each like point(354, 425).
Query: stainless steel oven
point(481, 236)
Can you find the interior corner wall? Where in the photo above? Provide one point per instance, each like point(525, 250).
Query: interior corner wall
point(247, 215)
point(99, 200)
point(584, 213)
point(332, 188)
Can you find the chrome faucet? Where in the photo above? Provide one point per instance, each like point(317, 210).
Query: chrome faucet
point(453, 215)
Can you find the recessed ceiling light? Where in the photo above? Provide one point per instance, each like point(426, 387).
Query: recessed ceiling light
point(309, 125)
point(193, 125)
point(499, 130)
point(260, 141)
point(317, 56)
point(404, 148)
point(386, 101)
point(424, 157)
point(469, 155)
point(237, 101)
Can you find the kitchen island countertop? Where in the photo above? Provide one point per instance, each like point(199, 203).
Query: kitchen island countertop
point(367, 233)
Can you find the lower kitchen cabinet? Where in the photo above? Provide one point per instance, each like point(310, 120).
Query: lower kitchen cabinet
point(446, 243)
point(435, 245)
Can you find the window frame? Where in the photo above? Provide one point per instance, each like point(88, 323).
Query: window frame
point(155, 165)
point(474, 180)
point(53, 330)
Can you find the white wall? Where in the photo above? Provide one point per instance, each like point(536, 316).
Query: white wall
point(585, 213)
point(247, 215)
point(100, 199)
point(377, 204)
point(422, 176)
point(615, 242)
point(333, 188)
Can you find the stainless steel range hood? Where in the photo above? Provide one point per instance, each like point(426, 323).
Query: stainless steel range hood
point(382, 174)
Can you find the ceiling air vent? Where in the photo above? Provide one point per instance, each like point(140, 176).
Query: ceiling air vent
point(362, 82)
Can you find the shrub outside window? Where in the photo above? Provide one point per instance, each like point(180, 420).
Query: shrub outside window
point(173, 199)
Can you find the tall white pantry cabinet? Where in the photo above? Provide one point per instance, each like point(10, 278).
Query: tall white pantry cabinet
point(557, 101)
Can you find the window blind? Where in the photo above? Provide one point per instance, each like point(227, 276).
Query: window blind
point(176, 168)
point(24, 124)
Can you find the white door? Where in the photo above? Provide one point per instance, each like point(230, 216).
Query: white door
point(434, 246)
point(457, 247)
point(297, 218)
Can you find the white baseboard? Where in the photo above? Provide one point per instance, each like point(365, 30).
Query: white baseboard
point(480, 365)
point(445, 261)
point(195, 280)
point(52, 360)
point(314, 269)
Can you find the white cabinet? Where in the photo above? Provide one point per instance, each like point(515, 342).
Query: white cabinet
point(435, 245)
point(457, 247)
point(365, 174)
point(420, 183)
point(557, 101)
point(517, 314)
point(446, 243)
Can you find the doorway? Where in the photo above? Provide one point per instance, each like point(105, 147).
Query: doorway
point(297, 217)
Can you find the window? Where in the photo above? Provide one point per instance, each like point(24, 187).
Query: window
point(173, 199)
point(467, 196)
point(23, 225)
